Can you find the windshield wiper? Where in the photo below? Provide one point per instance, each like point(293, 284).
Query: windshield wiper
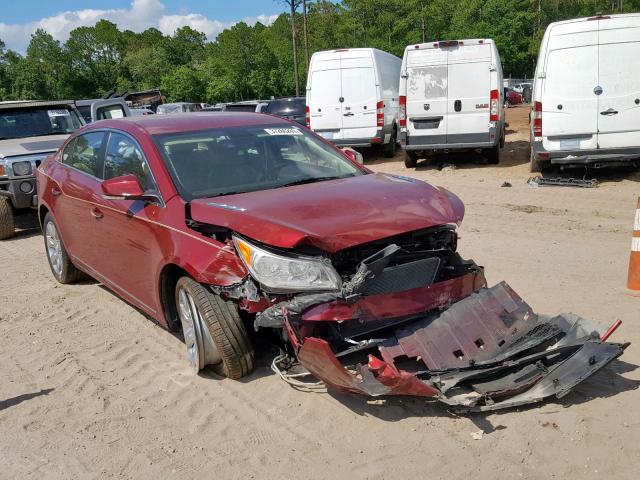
point(311, 180)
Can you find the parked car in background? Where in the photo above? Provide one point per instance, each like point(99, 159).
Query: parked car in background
point(511, 97)
point(352, 97)
point(218, 107)
point(246, 106)
point(29, 132)
point(451, 99)
point(586, 95)
point(178, 107)
point(292, 108)
point(141, 111)
point(101, 109)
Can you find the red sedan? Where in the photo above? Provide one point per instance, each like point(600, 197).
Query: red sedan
point(218, 224)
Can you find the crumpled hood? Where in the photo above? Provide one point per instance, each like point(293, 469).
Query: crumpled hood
point(335, 214)
point(31, 145)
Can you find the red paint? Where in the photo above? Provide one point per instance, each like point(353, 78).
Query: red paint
point(124, 186)
point(336, 214)
point(610, 330)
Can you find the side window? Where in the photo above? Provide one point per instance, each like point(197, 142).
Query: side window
point(124, 157)
point(112, 111)
point(83, 153)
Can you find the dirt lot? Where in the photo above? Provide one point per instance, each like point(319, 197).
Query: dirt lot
point(90, 388)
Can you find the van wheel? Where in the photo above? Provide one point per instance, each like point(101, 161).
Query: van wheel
point(213, 331)
point(63, 270)
point(7, 225)
point(534, 165)
point(410, 159)
point(493, 155)
point(389, 150)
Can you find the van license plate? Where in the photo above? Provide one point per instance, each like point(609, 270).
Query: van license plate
point(569, 144)
point(327, 135)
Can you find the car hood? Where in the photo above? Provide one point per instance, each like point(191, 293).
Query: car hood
point(332, 215)
point(31, 145)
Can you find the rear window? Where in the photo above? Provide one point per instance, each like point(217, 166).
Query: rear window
point(232, 160)
point(240, 108)
point(287, 107)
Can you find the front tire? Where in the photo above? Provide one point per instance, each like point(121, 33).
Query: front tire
point(213, 331)
point(7, 224)
point(410, 159)
point(63, 270)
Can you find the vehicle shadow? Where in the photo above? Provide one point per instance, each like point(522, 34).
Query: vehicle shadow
point(11, 402)
point(604, 384)
point(26, 226)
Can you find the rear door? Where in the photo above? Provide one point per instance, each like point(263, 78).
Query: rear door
point(325, 108)
point(469, 75)
point(569, 104)
point(427, 87)
point(619, 78)
point(359, 95)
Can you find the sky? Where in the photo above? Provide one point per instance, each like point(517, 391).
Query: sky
point(19, 19)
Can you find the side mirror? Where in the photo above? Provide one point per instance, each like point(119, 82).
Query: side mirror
point(125, 187)
point(353, 155)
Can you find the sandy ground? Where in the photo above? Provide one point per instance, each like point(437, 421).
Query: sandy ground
point(90, 388)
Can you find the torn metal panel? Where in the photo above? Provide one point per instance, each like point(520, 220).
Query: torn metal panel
point(487, 351)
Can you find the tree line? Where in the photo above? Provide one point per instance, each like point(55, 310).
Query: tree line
point(259, 61)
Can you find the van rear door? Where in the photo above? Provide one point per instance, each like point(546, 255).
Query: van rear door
point(360, 95)
point(426, 108)
point(325, 108)
point(469, 93)
point(619, 103)
point(569, 104)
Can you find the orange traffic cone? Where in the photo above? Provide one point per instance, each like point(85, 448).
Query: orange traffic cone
point(634, 262)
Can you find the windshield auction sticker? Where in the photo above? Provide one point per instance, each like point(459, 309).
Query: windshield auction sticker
point(58, 113)
point(283, 131)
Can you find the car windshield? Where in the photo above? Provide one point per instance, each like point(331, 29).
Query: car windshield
point(287, 107)
point(35, 122)
point(245, 159)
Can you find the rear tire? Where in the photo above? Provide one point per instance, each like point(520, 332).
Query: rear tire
point(493, 155)
point(534, 165)
point(410, 159)
point(389, 150)
point(7, 223)
point(63, 270)
point(215, 333)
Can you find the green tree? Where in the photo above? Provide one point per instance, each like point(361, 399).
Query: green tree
point(183, 84)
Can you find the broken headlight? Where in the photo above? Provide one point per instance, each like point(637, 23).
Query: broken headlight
point(280, 273)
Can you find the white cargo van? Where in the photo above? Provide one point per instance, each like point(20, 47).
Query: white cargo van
point(451, 99)
point(586, 93)
point(352, 97)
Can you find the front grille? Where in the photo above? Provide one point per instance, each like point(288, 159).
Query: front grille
point(440, 242)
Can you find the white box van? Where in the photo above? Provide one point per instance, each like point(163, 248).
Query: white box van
point(586, 93)
point(451, 99)
point(352, 97)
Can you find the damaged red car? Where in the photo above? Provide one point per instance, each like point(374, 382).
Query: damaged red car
point(218, 224)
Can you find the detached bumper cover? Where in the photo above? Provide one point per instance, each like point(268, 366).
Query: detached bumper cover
point(485, 352)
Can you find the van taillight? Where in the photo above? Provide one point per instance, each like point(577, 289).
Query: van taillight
point(537, 119)
point(402, 114)
point(380, 114)
point(493, 113)
point(307, 118)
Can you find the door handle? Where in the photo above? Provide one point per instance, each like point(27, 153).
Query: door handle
point(55, 192)
point(611, 111)
point(350, 114)
point(457, 105)
point(96, 213)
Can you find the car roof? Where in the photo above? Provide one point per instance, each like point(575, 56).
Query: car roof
point(34, 103)
point(187, 122)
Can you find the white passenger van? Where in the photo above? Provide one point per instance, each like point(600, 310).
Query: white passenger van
point(451, 99)
point(352, 97)
point(586, 93)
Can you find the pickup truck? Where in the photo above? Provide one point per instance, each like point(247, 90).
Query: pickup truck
point(29, 132)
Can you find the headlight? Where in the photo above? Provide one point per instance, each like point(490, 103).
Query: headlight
point(287, 274)
point(20, 169)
